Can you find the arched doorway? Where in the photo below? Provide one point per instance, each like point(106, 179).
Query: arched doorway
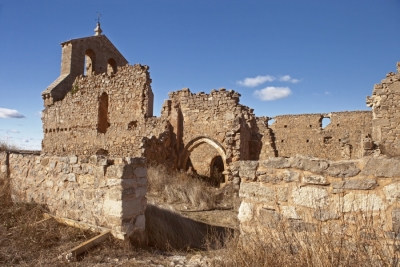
point(206, 157)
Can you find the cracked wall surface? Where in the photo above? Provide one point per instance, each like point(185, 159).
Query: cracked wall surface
point(385, 103)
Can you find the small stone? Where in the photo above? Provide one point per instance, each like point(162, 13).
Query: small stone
point(364, 184)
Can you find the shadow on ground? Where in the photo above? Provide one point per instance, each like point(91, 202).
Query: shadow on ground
point(168, 230)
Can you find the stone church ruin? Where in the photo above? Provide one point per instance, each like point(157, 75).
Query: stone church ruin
point(100, 134)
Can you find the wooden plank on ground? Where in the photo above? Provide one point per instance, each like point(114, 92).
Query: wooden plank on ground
point(85, 246)
point(76, 224)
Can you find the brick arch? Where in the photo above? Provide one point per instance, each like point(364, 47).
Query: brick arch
point(194, 143)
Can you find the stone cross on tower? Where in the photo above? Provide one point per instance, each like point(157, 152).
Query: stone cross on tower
point(98, 30)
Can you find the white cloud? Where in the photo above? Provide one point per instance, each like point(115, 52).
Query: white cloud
point(12, 131)
point(253, 82)
point(272, 93)
point(38, 114)
point(327, 93)
point(287, 78)
point(10, 113)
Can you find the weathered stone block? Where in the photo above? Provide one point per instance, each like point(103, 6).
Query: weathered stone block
point(247, 175)
point(71, 177)
point(248, 165)
point(278, 163)
point(364, 184)
point(257, 192)
point(245, 212)
point(325, 215)
point(3, 169)
point(300, 226)
point(270, 218)
point(119, 171)
point(392, 192)
point(382, 167)
point(271, 177)
point(291, 176)
point(315, 179)
point(342, 169)
point(290, 212)
point(282, 194)
point(73, 159)
point(309, 164)
point(396, 220)
point(312, 197)
point(363, 202)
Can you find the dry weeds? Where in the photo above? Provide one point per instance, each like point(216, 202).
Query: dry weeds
point(7, 146)
point(178, 187)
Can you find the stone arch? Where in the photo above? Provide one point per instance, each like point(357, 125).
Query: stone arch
point(111, 66)
point(90, 62)
point(190, 146)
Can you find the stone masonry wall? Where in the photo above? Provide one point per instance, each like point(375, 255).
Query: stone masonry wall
point(310, 192)
point(106, 114)
point(92, 189)
point(303, 134)
point(385, 103)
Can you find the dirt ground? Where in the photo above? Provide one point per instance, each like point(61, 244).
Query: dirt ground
point(25, 242)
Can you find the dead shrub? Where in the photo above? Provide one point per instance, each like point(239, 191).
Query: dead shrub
point(178, 187)
point(360, 244)
point(7, 146)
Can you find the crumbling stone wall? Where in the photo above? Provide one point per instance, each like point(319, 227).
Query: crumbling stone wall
point(94, 189)
point(385, 103)
point(311, 192)
point(102, 114)
point(303, 134)
point(217, 116)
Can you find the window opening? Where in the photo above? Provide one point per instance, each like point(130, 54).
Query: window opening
point(325, 122)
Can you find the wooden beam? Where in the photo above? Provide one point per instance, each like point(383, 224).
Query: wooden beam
point(85, 246)
point(76, 224)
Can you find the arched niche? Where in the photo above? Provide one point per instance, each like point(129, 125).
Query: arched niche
point(90, 62)
point(111, 66)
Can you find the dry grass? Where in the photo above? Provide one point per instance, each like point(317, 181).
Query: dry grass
point(178, 187)
point(7, 146)
point(24, 243)
point(359, 245)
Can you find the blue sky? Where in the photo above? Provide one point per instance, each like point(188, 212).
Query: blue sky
point(283, 57)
